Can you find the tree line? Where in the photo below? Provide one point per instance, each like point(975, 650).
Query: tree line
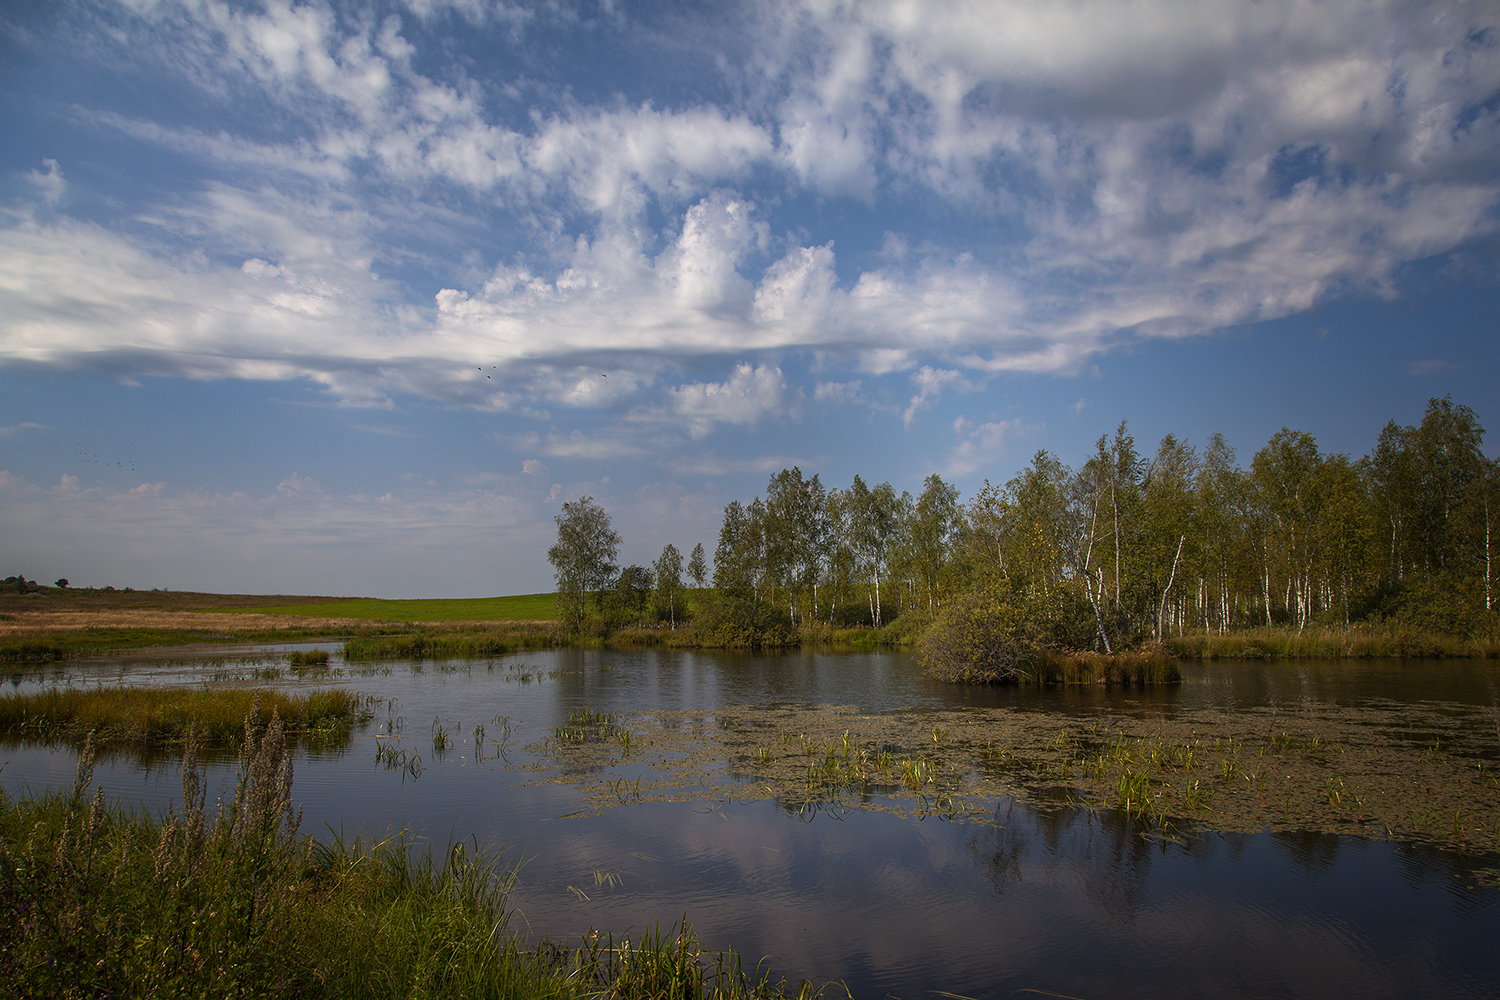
point(1124, 547)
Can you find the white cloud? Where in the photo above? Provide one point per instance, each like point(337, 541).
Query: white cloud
point(749, 394)
point(711, 464)
point(980, 443)
point(48, 181)
point(25, 425)
point(930, 383)
point(842, 393)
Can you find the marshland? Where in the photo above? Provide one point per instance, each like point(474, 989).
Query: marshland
point(839, 818)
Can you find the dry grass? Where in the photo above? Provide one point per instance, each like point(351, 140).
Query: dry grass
point(41, 623)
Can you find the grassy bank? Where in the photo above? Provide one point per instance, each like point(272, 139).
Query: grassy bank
point(151, 717)
point(522, 607)
point(1359, 642)
point(99, 901)
point(437, 644)
point(49, 647)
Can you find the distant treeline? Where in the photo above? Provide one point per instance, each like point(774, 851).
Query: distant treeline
point(1126, 547)
point(1124, 552)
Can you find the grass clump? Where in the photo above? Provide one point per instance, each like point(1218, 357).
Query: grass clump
point(433, 645)
point(145, 717)
point(98, 901)
point(312, 659)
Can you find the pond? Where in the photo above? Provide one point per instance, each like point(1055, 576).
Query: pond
point(732, 804)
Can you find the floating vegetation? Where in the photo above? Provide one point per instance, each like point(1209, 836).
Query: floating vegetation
point(1420, 774)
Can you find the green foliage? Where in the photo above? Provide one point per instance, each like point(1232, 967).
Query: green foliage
point(995, 636)
point(983, 637)
point(731, 621)
point(584, 556)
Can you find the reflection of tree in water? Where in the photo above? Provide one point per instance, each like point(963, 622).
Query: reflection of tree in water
point(1312, 854)
point(1107, 850)
point(999, 849)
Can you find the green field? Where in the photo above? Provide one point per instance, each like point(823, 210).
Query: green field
point(521, 607)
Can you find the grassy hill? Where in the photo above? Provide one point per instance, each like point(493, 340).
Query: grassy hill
point(521, 607)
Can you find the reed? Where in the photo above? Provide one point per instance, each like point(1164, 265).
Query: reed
point(155, 716)
point(234, 901)
point(1381, 641)
point(311, 659)
point(434, 645)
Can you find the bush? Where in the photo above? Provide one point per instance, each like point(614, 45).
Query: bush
point(734, 622)
point(984, 637)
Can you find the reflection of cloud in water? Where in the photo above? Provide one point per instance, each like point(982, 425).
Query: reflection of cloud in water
point(1066, 900)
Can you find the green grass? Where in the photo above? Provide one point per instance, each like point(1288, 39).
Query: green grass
point(145, 717)
point(521, 607)
point(440, 645)
point(100, 901)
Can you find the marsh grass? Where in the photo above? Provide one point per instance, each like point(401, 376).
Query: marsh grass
point(145, 717)
point(312, 659)
point(585, 726)
point(425, 644)
point(1357, 642)
point(103, 901)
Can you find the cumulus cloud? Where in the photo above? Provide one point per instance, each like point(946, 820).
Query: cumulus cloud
point(750, 394)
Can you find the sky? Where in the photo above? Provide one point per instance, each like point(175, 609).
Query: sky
point(349, 298)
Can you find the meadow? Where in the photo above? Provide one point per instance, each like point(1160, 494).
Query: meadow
point(522, 607)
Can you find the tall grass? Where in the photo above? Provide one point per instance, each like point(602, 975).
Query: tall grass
point(96, 900)
point(1358, 642)
point(431, 645)
point(153, 716)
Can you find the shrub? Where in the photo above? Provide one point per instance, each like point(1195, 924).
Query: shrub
point(983, 637)
point(734, 622)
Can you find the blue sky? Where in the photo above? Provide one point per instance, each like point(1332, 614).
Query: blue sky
point(349, 298)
